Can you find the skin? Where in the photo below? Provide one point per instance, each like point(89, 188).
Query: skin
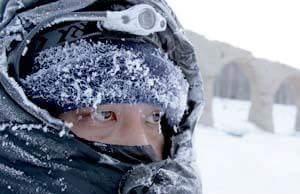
point(120, 124)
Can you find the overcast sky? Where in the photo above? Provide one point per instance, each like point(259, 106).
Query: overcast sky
point(268, 28)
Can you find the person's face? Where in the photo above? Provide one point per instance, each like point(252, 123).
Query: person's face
point(121, 124)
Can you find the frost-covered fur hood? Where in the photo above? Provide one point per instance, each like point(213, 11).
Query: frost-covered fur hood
point(23, 19)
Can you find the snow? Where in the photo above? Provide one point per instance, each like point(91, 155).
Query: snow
point(236, 157)
point(18, 152)
point(24, 51)
point(286, 114)
point(10, 170)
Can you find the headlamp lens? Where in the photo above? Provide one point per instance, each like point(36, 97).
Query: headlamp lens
point(147, 19)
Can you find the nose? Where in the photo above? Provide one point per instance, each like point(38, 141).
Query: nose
point(132, 130)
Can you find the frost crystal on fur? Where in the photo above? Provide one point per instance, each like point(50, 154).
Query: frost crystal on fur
point(86, 73)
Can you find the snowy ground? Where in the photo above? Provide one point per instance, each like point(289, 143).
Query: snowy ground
point(235, 157)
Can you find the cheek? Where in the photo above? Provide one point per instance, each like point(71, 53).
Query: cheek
point(156, 139)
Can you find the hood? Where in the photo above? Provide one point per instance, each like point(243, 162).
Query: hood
point(23, 19)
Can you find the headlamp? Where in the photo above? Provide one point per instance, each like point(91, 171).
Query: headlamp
point(141, 19)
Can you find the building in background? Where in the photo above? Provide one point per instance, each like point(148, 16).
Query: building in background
point(235, 73)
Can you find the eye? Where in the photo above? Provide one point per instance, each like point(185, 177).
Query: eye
point(104, 115)
point(154, 118)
